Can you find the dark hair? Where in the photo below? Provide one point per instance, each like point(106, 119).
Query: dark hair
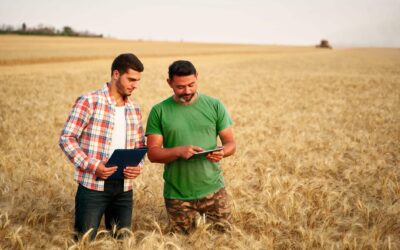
point(181, 68)
point(126, 61)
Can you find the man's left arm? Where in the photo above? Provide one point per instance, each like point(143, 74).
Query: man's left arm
point(131, 172)
point(228, 141)
point(140, 141)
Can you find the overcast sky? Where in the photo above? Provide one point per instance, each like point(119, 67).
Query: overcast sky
point(293, 22)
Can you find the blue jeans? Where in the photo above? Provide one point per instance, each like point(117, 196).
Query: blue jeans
point(113, 202)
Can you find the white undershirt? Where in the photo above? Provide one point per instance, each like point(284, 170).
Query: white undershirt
point(119, 132)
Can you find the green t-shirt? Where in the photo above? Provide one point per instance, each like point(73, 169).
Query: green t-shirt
point(195, 124)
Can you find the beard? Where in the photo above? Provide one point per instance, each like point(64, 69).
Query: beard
point(121, 90)
point(186, 98)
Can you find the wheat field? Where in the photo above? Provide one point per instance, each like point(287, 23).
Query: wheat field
point(317, 132)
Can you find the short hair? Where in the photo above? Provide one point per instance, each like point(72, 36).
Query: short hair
point(126, 61)
point(181, 68)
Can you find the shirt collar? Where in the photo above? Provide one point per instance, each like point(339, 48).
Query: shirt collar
point(111, 99)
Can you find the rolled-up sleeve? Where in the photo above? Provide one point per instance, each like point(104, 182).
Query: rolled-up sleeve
point(70, 135)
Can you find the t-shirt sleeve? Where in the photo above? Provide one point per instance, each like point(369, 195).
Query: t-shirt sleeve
point(154, 122)
point(224, 120)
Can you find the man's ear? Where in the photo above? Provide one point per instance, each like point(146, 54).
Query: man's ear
point(115, 74)
point(169, 82)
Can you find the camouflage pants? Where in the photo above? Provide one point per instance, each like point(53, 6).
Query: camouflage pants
point(182, 214)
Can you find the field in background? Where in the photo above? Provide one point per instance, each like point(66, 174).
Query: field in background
point(317, 131)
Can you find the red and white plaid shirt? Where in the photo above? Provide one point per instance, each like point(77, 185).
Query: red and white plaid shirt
point(87, 134)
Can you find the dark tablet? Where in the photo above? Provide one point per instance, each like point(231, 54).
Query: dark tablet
point(205, 152)
point(123, 158)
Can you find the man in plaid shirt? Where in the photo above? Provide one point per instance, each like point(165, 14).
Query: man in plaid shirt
point(100, 122)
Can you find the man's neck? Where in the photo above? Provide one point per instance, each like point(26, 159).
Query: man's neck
point(119, 99)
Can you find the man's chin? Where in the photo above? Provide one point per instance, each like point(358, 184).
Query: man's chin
point(186, 99)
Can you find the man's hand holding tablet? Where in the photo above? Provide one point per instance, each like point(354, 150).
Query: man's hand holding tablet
point(214, 155)
point(123, 163)
point(131, 172)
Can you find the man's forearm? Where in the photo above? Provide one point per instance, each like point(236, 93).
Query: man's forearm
point(162, 155)
point(76, 155)
point(229, 148)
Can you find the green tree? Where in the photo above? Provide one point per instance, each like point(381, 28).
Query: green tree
point(68, 31)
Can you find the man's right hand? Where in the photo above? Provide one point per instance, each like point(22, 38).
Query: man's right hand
point(103, 172)
point(186, 152)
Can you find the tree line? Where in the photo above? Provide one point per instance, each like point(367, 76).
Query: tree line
point(45, 31)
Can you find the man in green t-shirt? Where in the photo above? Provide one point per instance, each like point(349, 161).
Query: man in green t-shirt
point(177, 128)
